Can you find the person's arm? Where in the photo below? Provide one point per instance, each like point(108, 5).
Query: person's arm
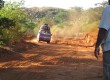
point(101, 34)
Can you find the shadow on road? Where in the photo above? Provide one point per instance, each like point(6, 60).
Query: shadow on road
point(53, 62)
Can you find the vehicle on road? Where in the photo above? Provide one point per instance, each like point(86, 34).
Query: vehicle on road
point(44, 34)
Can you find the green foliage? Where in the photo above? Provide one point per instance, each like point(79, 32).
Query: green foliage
point(1, 3)
point(6, 23)
point(60, 17)
point(12, 16)
point(13, 11)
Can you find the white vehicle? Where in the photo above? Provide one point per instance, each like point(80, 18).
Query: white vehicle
point(44, 34)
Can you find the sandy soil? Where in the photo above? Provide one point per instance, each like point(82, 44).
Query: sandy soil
point(52, 62)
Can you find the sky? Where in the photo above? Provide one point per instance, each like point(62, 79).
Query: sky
point(65, 4)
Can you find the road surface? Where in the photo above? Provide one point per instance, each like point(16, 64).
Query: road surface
point(52, 62)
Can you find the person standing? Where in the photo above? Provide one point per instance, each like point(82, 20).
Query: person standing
point(103, 39)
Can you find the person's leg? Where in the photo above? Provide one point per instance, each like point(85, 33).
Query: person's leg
point(106, 65)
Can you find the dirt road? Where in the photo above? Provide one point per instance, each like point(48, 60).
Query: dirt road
point(52, 62)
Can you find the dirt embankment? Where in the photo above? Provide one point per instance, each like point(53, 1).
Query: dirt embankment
point(16, 48)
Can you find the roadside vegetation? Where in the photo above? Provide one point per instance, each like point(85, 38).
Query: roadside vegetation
point(18, 22)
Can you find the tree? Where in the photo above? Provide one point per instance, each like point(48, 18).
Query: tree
point(1, 4)
point(6, 23)
point(61, 16)
point(11, 24)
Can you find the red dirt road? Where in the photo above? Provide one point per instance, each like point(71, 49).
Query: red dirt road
point(52, 62)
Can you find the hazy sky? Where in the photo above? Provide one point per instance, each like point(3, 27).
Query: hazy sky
point(61, 3)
